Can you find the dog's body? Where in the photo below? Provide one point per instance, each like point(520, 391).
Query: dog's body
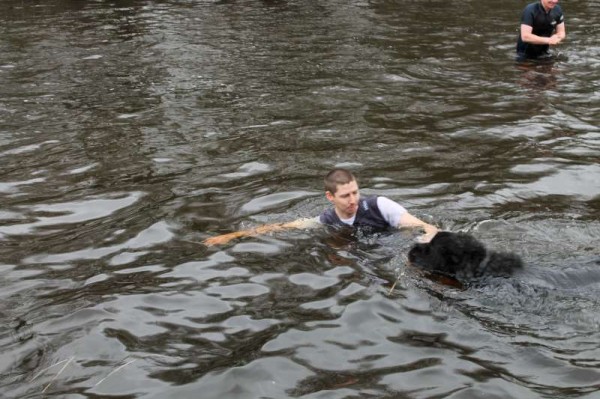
point(461, 256)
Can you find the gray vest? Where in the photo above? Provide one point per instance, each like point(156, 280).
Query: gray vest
point(368, 217)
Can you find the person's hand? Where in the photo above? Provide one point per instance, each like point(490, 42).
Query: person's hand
point(220, 240)
point(554, 40)
point(425, 238)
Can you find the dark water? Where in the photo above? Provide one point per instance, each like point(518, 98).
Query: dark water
point(132, 130)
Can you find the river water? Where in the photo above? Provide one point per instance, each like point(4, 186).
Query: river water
point(131, 130)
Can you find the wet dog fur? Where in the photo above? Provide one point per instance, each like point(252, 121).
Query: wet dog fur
point(461, 256)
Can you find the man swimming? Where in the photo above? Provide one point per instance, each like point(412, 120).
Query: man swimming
point(371, 214)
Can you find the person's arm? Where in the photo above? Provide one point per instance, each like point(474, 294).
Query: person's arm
point(408, 220)
point(267, 228)
point(397, 215)
point(528, 37)
point(561, 32)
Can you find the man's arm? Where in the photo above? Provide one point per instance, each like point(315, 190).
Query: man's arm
point(267, 228)
point(408, 220)
point(528, 37)
point(396, 214)
point(561, 32)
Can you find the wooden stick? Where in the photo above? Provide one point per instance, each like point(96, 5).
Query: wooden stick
point(56, 376)
point(114, 371)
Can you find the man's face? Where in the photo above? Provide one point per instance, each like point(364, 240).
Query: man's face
point(345, 199)
point(549, 4)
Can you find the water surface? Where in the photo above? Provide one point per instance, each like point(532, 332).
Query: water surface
point(132, 130)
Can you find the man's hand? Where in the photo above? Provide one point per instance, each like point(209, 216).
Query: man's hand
point(425, 238)
point(554, 40)
point(408, 220)
point(222, 239)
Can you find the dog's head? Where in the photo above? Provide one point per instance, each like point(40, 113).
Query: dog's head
point(448, 253)
point(462, 256)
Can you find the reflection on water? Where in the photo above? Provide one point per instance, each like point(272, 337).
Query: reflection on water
point(132, 130)
point(541, 76)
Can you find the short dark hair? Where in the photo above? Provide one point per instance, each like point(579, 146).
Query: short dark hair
point(337, 177)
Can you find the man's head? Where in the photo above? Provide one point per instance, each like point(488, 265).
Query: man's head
point(549, 4)
point(341, 189)
point(337, 177)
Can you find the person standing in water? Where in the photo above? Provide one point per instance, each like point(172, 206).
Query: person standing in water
point(370, 214)
point(542, 26)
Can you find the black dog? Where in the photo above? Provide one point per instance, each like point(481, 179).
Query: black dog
point(461, 256)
